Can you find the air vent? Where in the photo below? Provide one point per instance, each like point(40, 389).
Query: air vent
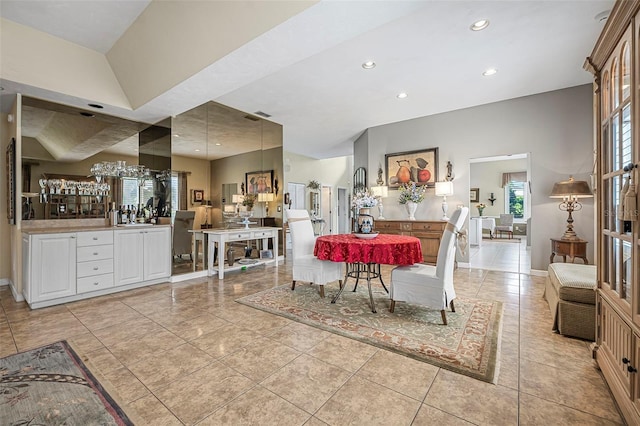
point(251, 117)
point(87, 114)
point(262, 114)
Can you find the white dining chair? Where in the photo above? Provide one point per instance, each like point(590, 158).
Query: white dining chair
point(506, 225)
point(427, 285)
point(306, 266)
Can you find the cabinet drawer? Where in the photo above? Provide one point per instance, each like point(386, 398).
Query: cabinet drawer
point(94, 238)
point(406, 226)
point(239, 236)
point(85, 254)
point(383, 227)
point(263, 234)
point(99, 282)
point(428, 226)
point(95, 267)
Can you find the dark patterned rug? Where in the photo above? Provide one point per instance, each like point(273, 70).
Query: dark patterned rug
point(52, 386)
point(469, 344)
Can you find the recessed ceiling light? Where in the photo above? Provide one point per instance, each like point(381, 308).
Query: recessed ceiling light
point(218, 144)
point(197, 150)
point(97, 106)
point(479, 25)
point(489, 71)
point(176, 135)
point(401, 95)
point(368, 65)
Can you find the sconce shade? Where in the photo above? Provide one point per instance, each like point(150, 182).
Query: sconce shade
point(380, 191)
point(237, 198)
point(265, 197)
point(444, 188)
point(571, 189)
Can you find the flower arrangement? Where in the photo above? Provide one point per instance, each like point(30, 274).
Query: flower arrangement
point(411, 192)
point(313, 184)
point(249, 200)
point(363, 199)
point(481, 206)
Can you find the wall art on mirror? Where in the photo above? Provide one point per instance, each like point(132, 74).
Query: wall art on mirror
point(420, 167)
point(261, 181)
point(11, 181)
point(474, 195)
point(197, 196)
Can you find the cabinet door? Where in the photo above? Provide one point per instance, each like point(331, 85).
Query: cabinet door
point(128, 249)
point(52, 266)
point(157, 253)
point(615, 352)
point(430, 242)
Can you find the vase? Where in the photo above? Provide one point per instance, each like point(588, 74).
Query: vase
point(480, 211)
point(230, 256)
point(411, 209)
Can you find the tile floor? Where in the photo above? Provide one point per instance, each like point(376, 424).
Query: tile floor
point(502, 255)
point(186, 353)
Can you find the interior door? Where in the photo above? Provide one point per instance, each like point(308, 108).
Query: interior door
point(326, 209)
point(343, 211)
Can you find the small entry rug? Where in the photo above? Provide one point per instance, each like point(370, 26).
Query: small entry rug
point(469, 345)
point(52, 386)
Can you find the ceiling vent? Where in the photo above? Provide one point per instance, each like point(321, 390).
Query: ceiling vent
point(262, 114)
point(251, 117)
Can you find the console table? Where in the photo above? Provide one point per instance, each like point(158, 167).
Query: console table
point(220, 237)
point(428, 232)
point(571, 248)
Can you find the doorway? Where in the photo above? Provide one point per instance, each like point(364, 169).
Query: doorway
point(500, 185)
point(326, 209)
point(343, 211)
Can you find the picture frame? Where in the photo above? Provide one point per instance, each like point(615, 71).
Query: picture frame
point(197, 196)
point(419, 166)
point(474, 195)
point(260, 181)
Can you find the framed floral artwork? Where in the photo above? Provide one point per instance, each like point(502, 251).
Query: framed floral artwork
point(474, 195)
point(420, 167)
point(261, 181)
point(197, 196)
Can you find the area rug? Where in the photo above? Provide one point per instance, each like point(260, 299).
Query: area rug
point(469, 344)
point(52, 386)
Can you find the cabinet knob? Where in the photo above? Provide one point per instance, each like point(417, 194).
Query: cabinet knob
point(95, 238)
point(95, 253)
point(630, 369)
point(625, 361)
point(96, 283)
point(95, 268)
point(72, 237)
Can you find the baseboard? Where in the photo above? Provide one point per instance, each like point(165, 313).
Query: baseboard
point(18, 297)
point(4, 281)
point(464, 265)
point(538, 273)
point(188, 276)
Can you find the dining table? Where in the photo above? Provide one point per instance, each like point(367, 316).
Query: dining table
point(364, 254)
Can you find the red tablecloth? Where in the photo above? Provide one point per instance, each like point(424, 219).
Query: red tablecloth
point(385, 249)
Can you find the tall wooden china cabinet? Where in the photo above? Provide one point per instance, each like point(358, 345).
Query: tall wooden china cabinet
point(615, 62)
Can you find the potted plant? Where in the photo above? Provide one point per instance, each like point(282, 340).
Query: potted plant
point(249, 200)
point(313, 185)
point(410, 195)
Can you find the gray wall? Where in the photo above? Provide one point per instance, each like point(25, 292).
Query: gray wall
point(555, 128)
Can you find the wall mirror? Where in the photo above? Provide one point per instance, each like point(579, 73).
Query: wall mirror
point(359, 180)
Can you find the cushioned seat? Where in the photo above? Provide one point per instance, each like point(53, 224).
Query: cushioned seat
point(570, 292)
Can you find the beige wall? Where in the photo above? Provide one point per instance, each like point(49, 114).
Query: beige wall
point(7, 130)
point(198, 178)
point(487, 176)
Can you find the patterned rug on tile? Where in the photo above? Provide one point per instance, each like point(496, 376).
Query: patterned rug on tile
point(51, 385)
point(469, 344)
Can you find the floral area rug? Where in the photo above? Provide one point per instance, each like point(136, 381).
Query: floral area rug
point(469, 344)
point(52, 386)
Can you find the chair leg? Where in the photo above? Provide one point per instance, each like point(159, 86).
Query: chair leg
point(392, 306)
point(322, 291)
point(293, 285)
point(453, 309)
point(340, 283)
point(444, 317)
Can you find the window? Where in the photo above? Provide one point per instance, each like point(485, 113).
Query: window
point(130, 195)
point(517, 198)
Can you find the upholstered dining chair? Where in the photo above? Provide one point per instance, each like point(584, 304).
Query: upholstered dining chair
point(506, 225)
point(427, 285)
point(182, 243)
point(307, 267)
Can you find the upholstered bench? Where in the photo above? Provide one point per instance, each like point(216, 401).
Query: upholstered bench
point(571, 293)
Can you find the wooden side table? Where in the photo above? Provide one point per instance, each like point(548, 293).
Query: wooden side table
point(571, 248)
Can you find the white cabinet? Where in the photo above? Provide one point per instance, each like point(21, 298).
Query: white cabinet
point(475, 231)
point(142, 255)
point(50, 266)
point(95, 261)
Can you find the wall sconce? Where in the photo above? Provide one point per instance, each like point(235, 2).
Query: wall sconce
point(570, 191)
point(266, 197)
point(380, 192)
point(442, 190)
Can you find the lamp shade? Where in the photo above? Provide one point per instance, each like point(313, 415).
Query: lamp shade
point(380, 191)
point(444, 188)
point(237, 198)
point(229, 208)
point(265, 197)
point(571, 189)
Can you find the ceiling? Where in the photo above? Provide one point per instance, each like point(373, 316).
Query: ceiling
point(310, 78)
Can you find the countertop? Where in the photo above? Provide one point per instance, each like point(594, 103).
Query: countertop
point(60, 230)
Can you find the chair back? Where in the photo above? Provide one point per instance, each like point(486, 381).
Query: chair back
point(506, 219)
point(447, 250)
point(303, 238)
point(293, 214)
point(181, 240)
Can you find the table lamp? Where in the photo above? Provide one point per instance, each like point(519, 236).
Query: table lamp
point(442, 190)
point(380, 192)
point(237, 199)
point(570, 191)
point(266, 197)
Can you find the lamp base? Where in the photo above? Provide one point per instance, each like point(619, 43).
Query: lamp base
point(445, 208)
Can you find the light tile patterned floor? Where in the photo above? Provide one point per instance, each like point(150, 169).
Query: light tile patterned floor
point(186, 353)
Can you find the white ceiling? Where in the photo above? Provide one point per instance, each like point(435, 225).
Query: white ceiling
point(312, 82)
